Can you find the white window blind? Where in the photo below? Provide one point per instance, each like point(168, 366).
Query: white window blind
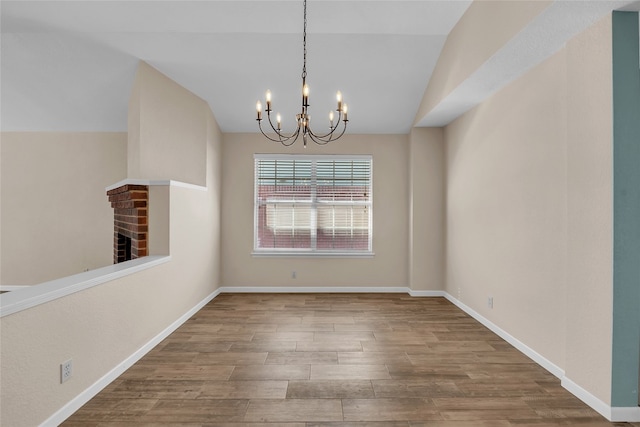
point(313, 204)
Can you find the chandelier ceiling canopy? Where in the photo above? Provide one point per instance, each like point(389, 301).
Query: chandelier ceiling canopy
point(303, 119)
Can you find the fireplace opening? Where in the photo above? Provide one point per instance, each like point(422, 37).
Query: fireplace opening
point(129, 203)
point(124, 248)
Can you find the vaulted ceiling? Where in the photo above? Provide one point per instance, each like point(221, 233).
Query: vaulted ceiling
point(70, 65)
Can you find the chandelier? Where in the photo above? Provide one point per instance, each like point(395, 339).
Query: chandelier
point(303, 119)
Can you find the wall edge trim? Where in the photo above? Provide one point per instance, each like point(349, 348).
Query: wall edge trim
point(76, 403)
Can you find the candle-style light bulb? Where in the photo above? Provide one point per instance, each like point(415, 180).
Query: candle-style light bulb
point(279, 120)
point(344, 110)
point(305, 95)
point(331, 116)
point(259, 109)
point(267, 96)
point(339, 99)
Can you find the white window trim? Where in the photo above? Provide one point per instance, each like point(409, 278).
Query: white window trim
point(312, 253)
point(287, 253)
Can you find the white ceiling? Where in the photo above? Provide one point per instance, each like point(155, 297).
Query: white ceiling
point(69, 65)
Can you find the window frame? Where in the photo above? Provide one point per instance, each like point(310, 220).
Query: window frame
point(311, 252)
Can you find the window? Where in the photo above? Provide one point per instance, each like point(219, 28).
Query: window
point(309, 204)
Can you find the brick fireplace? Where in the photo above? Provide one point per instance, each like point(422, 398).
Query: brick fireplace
point(130, 226)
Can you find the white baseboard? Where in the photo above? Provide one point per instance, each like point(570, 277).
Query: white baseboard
point(313, 289)
point(528, 351)
point(613, 414)
point(596, 404)
point(427, 293)
point(629, 415)
point(76, 403)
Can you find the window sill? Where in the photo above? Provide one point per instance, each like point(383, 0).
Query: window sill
point(301, 254)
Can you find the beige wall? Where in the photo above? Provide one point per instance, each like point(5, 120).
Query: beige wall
point(56, 218)
point(390, 218)
point(529, 209)
point(134, 124)
point(427, 222)
point(590, 210)
point(506, 208)
point(214, 196)
point(102, 326)
point(156, 152)
point(105, 324)
point(528, 217)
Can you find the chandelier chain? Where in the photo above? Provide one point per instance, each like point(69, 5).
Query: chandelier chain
point(303, 119)
point(304, 43)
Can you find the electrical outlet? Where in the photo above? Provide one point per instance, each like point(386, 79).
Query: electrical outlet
point(66, 370)
point(490, 302)
point(293, 275)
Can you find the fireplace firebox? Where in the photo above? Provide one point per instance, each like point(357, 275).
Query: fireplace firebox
point(124, 248)
point(130, 227)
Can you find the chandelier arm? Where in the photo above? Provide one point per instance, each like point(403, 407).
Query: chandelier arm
point(280, 140)
point(328, 137)
point(344, 129)
point(317, 140)
point(320, 137)
point(289, 144)
point(331, 130)
point(281, 136)
point(262, 131)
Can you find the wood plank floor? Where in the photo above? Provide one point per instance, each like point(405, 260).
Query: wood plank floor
point(335, 360)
